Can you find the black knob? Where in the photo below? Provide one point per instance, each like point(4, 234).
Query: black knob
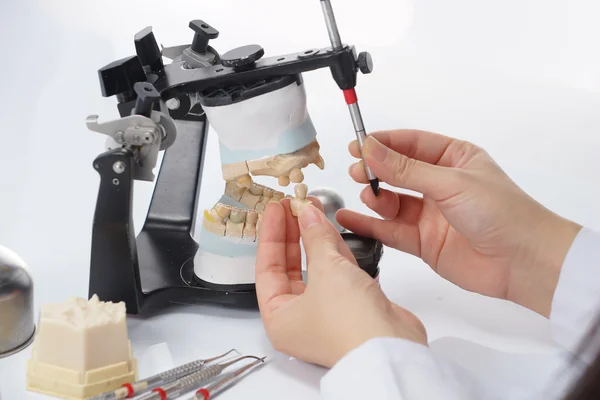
point(147, 49)
point(204, 33)
point(119, 77)
point(365, 62)
point(241, 57)
point(146, 97)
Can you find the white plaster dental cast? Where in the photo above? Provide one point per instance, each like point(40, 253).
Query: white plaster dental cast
point(264, 129)
point(81, 350)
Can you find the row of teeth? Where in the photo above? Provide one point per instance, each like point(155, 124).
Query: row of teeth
point(225, 220)
point(252, 195)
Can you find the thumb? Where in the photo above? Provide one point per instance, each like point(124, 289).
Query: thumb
point(319, 236)
point(404, 172)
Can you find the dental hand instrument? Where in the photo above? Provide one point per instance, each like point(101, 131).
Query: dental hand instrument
point(223, 383)
point(129, 390)
point(175, 389)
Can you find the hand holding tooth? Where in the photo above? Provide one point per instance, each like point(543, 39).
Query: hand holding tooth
point(300, 201)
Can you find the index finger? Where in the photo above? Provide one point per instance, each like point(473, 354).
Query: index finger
point(272, 281)
point(431, 148)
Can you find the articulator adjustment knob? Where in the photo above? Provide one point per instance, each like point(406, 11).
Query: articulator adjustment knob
point(365, 62)
point(204, 33)
point(242, 57)
point(118, 78)
point(147, 50)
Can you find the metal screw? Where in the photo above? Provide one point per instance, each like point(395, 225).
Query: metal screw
point(119, 167)
point(119, 136)
point(173, 104)
point(115, 182)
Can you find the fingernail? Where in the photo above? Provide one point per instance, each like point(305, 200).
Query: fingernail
point(309, 216)
point(374, 149)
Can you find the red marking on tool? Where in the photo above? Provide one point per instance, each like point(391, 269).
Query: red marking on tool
point(161, 392)
point(350, 96)
point(130, 391)
point(204, 393)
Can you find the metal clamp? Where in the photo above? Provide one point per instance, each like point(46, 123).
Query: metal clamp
point(146, 136)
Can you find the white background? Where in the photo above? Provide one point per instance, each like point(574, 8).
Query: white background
point(520, 78)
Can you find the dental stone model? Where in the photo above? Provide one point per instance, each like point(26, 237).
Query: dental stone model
point(81, 350)
point(263, 130)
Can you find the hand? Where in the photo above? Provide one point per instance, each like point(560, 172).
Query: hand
point(338, 309)
point(474, 226)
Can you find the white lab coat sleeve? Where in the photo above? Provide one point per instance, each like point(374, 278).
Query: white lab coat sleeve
point(391, 368)
point(576, 302)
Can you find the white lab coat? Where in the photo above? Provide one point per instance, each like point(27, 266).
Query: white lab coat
point(386, 368)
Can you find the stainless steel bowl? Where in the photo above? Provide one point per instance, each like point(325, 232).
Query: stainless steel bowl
point(17, 326)
point(331, 201)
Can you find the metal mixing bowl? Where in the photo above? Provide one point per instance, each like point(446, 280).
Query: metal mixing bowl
point(17, 326)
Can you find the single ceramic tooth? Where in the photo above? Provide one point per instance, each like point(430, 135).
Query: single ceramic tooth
point(299, 202)
point(257, 189)
point(250, 200)
point(320, 162)
point(283, 180)
point(268, 192)
point(277, 196)
point(223, 210)
point(262, 204)
point(258, 224)
point(238, 215)
point(249, 232)
point(250, 227)
point(288, 196)
point(296, 176)
point(234, 229)
point(301, 191)
point(213, 224)
point(234, 191)
point(244, 181)
point(252, 217)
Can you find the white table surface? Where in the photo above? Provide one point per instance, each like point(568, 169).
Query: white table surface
point(519, 77)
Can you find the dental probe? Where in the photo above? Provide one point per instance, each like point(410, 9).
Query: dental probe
point(215, 388)
point(175, 389)
point(349, 94)
point(129, 390)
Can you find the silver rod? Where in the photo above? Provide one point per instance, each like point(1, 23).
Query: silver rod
point(332, 29)
point(361, 134)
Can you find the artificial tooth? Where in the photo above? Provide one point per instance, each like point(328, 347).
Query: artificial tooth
point(234, 229)
point(237, 215)
point(262, 204)
point(296, 176)
point(258, 224)
point(234, 191)
point(268, 192)
point(277, 196)
point(244, 181)
point(320, 163)
point(234, 171)
point(222, 210)
point(257, 189)
point(283, 180)
point(213, 223)
point(249, 232)
point(300, 201)
point(252, 217)
point(250, 200)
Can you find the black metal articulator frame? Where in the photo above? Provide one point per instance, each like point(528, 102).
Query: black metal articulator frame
point(156, 267)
